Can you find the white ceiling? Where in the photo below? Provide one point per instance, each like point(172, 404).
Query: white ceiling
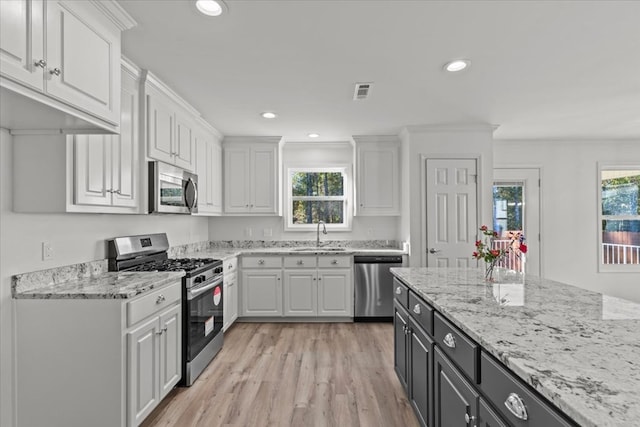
point(540, 69)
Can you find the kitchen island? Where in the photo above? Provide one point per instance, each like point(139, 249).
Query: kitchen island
point(578, 349)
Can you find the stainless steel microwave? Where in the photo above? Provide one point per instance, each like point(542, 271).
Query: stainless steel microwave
point(172, 190)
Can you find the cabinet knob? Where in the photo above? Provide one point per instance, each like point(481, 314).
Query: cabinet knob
point(41, 63)
point(55, 71)
point(300, 262)
point(449, 340)
point(416, 309)
point(261, 261)
point(515, 405)
point(160, 299)
point(398, 290)
point(314, 279)
point(334, 262)
point(230, 266)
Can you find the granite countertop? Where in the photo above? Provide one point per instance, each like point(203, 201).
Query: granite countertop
point(578, 348)
point(106, 285)
point(223, 254)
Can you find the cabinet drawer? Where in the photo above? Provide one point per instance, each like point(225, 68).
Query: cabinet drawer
point(401, 293)
point(461, 350)
point(421, 312)
point(230, 265)
point(334, 261)
point(300, 262)
point(506, 391)
point(157, 300)
point(261, 262)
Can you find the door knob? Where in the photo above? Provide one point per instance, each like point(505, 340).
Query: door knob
point(434, 251)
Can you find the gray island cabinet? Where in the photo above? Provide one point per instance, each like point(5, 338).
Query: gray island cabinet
point(540, 354)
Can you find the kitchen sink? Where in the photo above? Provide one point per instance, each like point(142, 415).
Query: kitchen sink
point(321, 249)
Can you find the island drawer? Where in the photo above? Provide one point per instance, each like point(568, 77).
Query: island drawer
point(462, 350)
point(230, 265)
point(334, 261)
point(516, 403)
point(401, 293)
point(261, 262)
point(421, 312)
point(154, 301)
point(300, 262)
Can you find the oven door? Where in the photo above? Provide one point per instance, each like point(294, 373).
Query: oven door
point(172, 190)
point(204, 316)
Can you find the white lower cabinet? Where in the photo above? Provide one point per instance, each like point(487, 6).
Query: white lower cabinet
point(230, 294)
point(314, 286)
point(97, 362)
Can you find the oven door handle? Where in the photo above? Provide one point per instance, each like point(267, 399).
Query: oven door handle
point(191, 294)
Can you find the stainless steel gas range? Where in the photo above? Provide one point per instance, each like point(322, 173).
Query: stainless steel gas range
point(202, 299)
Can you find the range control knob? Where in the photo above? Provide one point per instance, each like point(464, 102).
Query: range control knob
point(218, 270)
point(199, 279)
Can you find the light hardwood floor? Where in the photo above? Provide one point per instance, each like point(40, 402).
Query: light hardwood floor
point(302, 375)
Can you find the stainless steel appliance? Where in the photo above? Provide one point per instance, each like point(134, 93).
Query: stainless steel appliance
point(202, 298)
point(374, 287)
point(172, 190)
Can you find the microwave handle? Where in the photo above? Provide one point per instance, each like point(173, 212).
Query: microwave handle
point(191, 203)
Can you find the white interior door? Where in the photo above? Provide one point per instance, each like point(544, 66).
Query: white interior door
point(451, 212)
point(516, 207)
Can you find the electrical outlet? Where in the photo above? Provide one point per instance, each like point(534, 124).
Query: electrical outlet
point(369, 232)
point(268, 232)
point(47, 251)
point(248, 232)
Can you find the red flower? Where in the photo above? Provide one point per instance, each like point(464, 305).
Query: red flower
point(483, 228)
point(495, 234)
point(478, 243)
point(475, 254)
point(495, 252)
point(523, 248)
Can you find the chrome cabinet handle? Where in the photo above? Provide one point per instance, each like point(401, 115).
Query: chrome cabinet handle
point(334, 262)
point(398, 290)
point(515, 405)
point(41, 63)
point(300, 262)
point(416, 309)
point(162, 331)
point(160, 299)
point(449, 340)
point(468, 418)
point(55, 71)
point(261, 261)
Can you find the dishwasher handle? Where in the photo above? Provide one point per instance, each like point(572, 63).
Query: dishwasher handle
point(389, 259)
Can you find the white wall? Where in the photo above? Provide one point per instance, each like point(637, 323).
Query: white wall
point(439, 141)
point(75, 238)
point(569, 207)
point(315, 155)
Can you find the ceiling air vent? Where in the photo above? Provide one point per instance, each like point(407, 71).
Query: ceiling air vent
point(362, 91)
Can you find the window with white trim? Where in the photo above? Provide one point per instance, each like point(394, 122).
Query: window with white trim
point(619, 215)
point(317, 194)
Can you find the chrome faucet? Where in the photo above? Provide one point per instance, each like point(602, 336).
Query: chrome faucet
point(324, 231)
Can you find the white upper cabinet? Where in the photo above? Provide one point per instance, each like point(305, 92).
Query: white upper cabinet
point(208, 154)
point(377, 175)
point(64, 55)
point(251, 175)
point(170, 125)
point(84, 173)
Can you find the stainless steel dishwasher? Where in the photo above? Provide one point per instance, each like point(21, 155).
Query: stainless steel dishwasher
point(374, 287)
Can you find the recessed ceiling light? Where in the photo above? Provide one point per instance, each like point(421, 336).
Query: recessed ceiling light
point(457, 65)
point(211, 7)
point(269, 115)
point(313, 135)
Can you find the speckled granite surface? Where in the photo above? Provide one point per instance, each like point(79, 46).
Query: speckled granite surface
point(46, 278)
point(578, 348)
point(109, 285)
point(262, 244)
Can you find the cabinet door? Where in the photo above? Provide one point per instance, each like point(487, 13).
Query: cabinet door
point(237, 176)
point(488, 418)
point(215, 178)
point(263, 198)
point(233, 299)
point(22, 41)
point(335, 293)
point(378, 179)
point(160, 128)
point(83, 58)
point(202, 165)
point(421, 363)
point(300, 292)
point(183, 149)
point(125, 167)
point(262, 293)
point(92, 154)
point(400, 344)
point(170, 349)
point(455, 400)
point(143, 346)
